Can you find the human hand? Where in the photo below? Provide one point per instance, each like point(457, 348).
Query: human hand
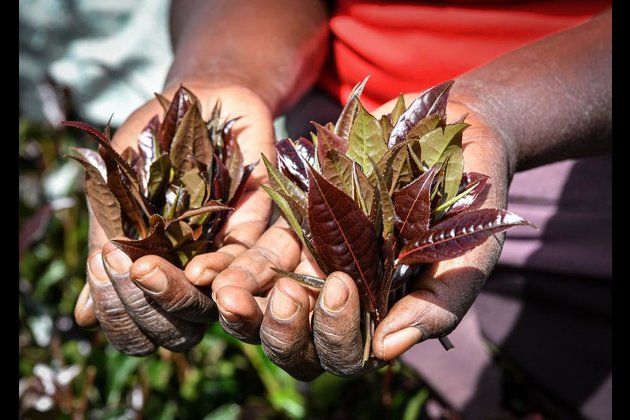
point(306, 334)
point(159, 306)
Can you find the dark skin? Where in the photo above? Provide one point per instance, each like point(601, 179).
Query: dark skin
point(543, 103)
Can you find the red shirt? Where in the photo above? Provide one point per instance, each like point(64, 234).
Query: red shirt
point(410, 46)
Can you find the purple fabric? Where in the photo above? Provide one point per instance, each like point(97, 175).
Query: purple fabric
point(571, 203)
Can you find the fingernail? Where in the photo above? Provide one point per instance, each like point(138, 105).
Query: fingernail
point(117, 261)
point(154, 282)
point(335, 295)
point(205, 277)
point(282, 306)
point(227, 316)
point(399, 342)
point(96, 269)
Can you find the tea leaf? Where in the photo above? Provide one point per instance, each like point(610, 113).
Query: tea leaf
point(147, 151)
point(102, 201)
point(191, 144)
point(279, 182)
point(399, 109)
point(386, 205)
point(453, 161)
point(434, 143)
point(343, 236)
point(159, 174)
point(472, 185)
point(327, 140)
point(291, 164)
point(431, 101)
point(305, 279)
point(412, 204)
point(155, 243)
point(457, 235)
point(337, 168)
point(287, 212)
point(166, 104)
point(346, 118)
point(363, 189)
point(182, 101)
point(365, 140)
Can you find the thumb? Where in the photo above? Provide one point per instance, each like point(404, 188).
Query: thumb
point(415, 318)
point(440, 297)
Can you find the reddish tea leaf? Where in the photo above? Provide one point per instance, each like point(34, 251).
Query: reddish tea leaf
point(119, 184)
point(191, 145)
point(291, 164)
point(147, 151)
point(105, 143)
point(344, 237)
point(165, 103)
point(234, 163)
point(457, 235)
point(221, 182)
point(412, 204)
point(103, 203)
point(306, 149)
point(156, 243)
point(431, 101)
point(182, 101)
point(327, 140)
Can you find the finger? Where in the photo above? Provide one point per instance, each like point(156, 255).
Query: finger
point(285, 333)
point(121, 331)
point(84, 312)
point(204, 268)
point(240, 313)
point(439, 299)
point(161, 327)
point(242, 229)
point(277, 247)
point(336, 326)
point(250, 274)
point(248, 221)
point(168, 287)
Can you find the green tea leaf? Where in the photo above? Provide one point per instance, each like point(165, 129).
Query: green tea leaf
point(453, 161)
point(363, 190)
point(279, 182)
point(386, 205)
point(337, 168)
point(287, 212)
point(365, 141)
point(346, 118)
point(398, 110)
point(196, 185)
point(434, 143)
point(159, 174)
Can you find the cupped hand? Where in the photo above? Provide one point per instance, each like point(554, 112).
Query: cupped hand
point(149, 303)
point(307, 332)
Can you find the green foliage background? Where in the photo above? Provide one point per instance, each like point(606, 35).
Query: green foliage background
point(68, 372)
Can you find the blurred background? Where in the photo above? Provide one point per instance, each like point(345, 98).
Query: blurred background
point(92, 60)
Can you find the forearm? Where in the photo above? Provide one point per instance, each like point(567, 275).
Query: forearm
point(275, 48)
point(551, 100)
